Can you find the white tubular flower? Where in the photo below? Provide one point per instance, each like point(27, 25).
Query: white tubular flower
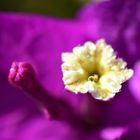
point(94, 68)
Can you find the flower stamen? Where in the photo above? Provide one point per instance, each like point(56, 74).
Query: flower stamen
point(93, 77)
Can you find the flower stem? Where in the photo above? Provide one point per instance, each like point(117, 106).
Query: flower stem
point(23, 76)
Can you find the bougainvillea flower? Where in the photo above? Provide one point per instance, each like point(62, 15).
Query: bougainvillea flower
point(94, 68)
point(28, 38)
point(40, 41)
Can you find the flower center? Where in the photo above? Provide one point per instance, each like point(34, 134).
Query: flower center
point(94, 77)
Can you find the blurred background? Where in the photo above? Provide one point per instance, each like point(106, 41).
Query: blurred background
point(57, 8)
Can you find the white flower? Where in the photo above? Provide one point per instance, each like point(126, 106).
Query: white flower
point(94, 68)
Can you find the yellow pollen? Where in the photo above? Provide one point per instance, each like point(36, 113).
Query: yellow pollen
point(94, 78)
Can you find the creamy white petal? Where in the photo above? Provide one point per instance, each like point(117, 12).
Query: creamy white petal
point(85, 55)
point(94, 68)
